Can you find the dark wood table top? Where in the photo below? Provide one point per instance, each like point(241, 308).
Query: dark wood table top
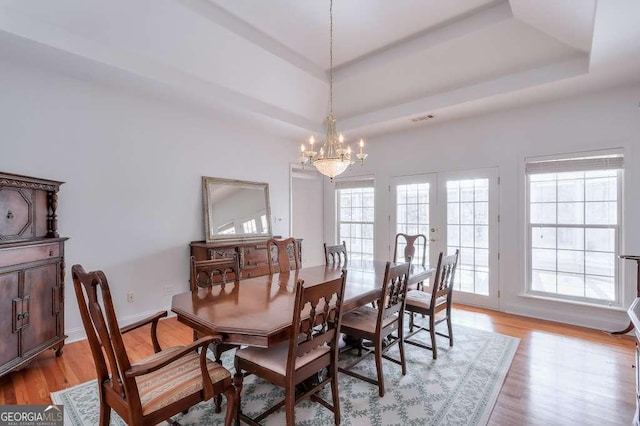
point(258, 311)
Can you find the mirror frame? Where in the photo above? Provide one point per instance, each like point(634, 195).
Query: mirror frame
point(209, 211)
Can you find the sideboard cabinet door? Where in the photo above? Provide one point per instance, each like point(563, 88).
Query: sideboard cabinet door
point(40, 286)
point(9, 329)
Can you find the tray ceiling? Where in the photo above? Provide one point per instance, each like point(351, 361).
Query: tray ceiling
point(395, 60)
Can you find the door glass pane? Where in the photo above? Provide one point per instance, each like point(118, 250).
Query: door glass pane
point(412, 207)
point(468, 231)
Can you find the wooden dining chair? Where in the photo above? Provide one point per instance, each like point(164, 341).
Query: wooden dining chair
point(216, 273)
point(286, 250)
point(335, 255)
point(155, 388)
point(312, 347)
point(405, 250)
point(378, 324)
point(431, 304)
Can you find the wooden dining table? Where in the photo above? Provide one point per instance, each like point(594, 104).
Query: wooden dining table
point(259, 311)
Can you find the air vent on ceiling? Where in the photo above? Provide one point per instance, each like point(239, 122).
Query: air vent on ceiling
point(423, 118)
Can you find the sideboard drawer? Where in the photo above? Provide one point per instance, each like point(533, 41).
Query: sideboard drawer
point(221, 253)
point(255, 271)
point(17, 255)
point(255, 256)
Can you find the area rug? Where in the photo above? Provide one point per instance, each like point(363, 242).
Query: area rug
point(459, 388)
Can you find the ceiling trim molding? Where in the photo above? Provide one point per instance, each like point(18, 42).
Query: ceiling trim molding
point(574, 66)
point(471, 22)
point(153, 75)
point(231, 22)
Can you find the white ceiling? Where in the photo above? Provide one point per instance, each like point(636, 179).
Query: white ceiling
point(395, 60)
point(360, 26)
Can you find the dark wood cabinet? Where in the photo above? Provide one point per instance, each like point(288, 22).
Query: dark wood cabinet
point(252, 255)
point(31, 270)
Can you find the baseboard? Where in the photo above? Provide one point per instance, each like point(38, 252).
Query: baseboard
point(565, 317)
point(78, 333)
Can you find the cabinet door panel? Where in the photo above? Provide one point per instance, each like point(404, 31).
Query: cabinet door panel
point(39, 283)
point(8, 291)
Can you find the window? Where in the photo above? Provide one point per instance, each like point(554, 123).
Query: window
point(574, 211)
point(249, 227)
point(227, 228)
point(355, 204)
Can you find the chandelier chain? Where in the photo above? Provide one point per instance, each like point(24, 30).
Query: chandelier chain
point(334, 157)
point(331, 57)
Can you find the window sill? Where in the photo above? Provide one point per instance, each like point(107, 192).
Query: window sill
point(616, 308)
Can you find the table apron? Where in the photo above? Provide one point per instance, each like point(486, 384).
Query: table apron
point(234, 338)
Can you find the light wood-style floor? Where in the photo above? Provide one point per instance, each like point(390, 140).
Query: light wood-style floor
point(561, 375)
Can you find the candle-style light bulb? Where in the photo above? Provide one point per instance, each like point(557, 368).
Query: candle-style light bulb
point(340, 138)
point(349, 150)
point(302, 148)
point(361, 145)
point(311, 141)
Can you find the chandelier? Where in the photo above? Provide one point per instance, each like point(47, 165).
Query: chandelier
point(334, 156)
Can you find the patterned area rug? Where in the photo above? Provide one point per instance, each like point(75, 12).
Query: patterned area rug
point(459, 388)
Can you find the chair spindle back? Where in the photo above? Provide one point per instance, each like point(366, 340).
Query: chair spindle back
point(317, 316)
point(394, 291)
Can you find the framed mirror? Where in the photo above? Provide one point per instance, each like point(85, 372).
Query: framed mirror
point(235, 209)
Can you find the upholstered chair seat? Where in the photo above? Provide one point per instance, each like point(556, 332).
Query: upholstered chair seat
point(177, 380)
point(275, 358)
point(365, 318)
point(422, 299)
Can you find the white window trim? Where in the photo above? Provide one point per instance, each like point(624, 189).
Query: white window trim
point(618, 303)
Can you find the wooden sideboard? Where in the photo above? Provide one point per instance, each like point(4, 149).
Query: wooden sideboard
point(252, 255)
point(31, 270)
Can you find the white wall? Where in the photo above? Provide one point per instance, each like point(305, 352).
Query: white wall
point(133, 167)
point(307, 216)
point(607, 119)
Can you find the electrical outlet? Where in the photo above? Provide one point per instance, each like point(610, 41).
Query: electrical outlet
point(130, 297)
point(167, 290)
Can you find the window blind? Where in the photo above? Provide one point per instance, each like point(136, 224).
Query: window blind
point(363, 182)
point(611, 162)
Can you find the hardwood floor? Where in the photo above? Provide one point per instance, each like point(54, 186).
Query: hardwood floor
point(561, 375)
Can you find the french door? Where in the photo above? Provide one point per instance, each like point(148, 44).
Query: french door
point(455, 211)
